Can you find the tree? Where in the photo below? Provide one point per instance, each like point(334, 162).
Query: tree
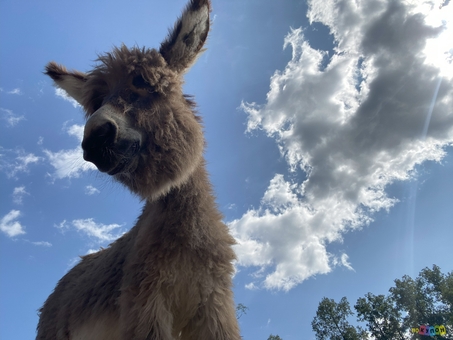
point(411, 304)
point(427, 300)
point(240, 310)
point(382, 318)
point(274, 337)
point(331, 321)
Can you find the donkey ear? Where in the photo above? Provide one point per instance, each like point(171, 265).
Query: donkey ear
point(72, 82)
point(185, 41)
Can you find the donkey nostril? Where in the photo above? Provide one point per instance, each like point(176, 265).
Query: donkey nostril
point(99, 138)
point(105, 134)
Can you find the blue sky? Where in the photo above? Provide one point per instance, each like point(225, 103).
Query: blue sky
point(329, 128)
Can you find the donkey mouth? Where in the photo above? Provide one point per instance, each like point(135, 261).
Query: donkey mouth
point(120, 166)
point(115, 158)
point(124, 162)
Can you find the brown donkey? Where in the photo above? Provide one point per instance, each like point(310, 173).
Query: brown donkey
point(169, 277)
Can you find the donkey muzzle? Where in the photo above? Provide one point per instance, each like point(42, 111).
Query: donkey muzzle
point(109, 142)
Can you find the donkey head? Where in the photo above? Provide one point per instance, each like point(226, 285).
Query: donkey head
point(141, 129)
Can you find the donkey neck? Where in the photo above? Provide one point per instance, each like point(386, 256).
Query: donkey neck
point(187, 215)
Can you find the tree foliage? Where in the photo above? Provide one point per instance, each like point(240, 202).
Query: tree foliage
point(331, 321)
point(240, 310)
point(274, 337)
point(380, 315)
point(426, 300)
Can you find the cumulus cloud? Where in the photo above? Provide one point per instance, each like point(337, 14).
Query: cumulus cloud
point(99, 232)
point(9, 224)
point(18, 194)
point(379, 108)
point(11, 118)
point(64, 95)
point(70, 163)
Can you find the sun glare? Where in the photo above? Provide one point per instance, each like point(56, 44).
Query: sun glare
point(439, 50)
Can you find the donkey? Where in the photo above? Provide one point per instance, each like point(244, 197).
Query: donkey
point(169, 277)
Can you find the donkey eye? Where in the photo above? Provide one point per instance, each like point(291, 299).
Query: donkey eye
point(139, 82)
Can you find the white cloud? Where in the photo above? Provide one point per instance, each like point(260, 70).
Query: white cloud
point(10, 117)
point(24, 160)
point(101, 234)
point(64, 95)
point(10, 226)
point(42, 244)
point(76, 131)
point(16, 91)
point(18, 194)
point(19, 164)
point(251, 286)
point(353, 127)
point(63, 226)
point(342, 261)
point(91, 190)
point(97, 231)
point(92, 251)
point(70, 163)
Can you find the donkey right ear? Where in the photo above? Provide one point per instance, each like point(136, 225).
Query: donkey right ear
point(72, 82)
point(186, 39)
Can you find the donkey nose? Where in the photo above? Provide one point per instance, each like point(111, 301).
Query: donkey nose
point(100, 134)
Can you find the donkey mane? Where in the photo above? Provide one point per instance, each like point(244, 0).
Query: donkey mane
point(169, 277)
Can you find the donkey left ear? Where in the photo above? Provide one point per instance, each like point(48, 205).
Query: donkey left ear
point(72, 82)
point(185, 41)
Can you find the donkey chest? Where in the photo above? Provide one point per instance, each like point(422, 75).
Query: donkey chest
point(179, 268)
point(173, 279)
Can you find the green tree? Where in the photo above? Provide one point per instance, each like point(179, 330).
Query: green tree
point(446, 288)
point(381, 316)
point(274, 337)
point(427, 300)
point(331, 321)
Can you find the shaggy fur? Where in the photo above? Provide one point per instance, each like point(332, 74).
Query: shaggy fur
point(169, 277)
